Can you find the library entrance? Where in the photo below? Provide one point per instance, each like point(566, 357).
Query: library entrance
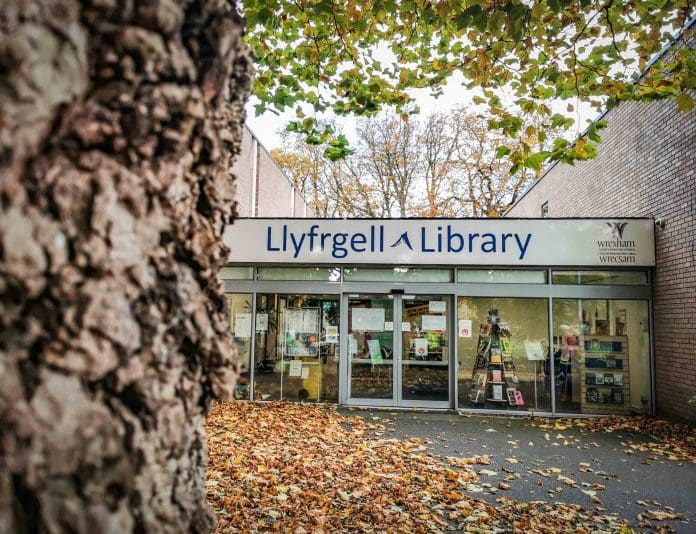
point(398, 350)
point(488, 315)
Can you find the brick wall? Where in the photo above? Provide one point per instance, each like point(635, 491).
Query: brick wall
point(646, 166)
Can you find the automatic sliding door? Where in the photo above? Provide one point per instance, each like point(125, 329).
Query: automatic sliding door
point(371, 347)
point(425, 354)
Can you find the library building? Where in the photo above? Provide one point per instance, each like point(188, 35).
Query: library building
point(543, 316)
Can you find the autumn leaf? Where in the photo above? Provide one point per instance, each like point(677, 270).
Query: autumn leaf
point(300, 468)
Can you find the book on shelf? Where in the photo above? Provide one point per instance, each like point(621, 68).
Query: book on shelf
point(483, 345)
point(618, 379)
point(505, 346)
point(497, 375)
point(519, 400)
point(497, 391)
point(496, 358)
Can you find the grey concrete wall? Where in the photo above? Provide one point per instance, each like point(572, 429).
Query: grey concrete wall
point(275, 195)
point(646, 166)
point(243, 169)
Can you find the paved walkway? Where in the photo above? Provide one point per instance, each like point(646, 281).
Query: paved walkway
point(567, 465)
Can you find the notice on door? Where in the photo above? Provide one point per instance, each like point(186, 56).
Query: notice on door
point(464, 327)
point(434, 323)
point(367, 319)
point(375, 350)
point(420, 347)
point(437, 306)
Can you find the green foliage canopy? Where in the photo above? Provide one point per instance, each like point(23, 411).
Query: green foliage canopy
point(356, 57)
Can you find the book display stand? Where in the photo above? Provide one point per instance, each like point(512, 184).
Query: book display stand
point(493, 378)
point(604, 375)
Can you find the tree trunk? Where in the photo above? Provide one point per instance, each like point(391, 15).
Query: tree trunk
point(118, 123)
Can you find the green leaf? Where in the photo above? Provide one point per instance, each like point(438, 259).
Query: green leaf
point(471, 16)
point(501, 152)
point(535, 161)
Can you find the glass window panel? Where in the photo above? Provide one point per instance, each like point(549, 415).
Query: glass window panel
point(296, 354)
point(501, 276)
point(239, 309)
point(396, 274)
point(602, 355)
point(609, 278)
point(323, 274)
point(236, 273)
point(503, 353)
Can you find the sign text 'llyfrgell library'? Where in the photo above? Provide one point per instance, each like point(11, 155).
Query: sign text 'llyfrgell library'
point(538, 242)
point(428, 240)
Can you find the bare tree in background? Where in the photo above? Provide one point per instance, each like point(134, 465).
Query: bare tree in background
point(118, 124)
point(443, 165)
point(484, 185)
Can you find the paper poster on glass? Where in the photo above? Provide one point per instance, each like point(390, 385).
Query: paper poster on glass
point(434, 323)
point(388, 326)
point(465, 327)
point(352, 346)
point(437, 306)
point(295, 369)
point(405, 326)
point(332, 334)
point(420, 348)
point(242, 325)
point(367, 319)
point(261, 322)
point(534, 350)
point(375, 350)
point(305, 372)
point(302, 320)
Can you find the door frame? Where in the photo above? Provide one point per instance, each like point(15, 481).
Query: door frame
point(396, 400)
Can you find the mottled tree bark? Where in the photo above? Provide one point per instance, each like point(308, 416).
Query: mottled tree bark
point(118, 123)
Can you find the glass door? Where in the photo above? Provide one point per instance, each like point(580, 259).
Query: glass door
point(424, 365)
point(371, 348)
point(402, 362)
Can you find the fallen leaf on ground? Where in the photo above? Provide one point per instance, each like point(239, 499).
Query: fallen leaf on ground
point(303, 468)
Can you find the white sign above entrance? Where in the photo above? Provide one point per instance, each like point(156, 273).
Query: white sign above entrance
point(539, 242)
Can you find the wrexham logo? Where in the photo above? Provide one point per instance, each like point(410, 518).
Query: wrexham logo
point(617, 250)
point(617, 229)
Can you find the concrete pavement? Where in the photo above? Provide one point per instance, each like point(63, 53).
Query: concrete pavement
point(557, 465)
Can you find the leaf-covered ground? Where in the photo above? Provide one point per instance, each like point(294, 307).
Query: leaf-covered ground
point(304, 468)
point(673, 441)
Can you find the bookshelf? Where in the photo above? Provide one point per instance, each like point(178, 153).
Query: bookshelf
point(604, 375)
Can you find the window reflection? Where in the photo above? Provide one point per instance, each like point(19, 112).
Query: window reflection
point(296, 353)
point(503, 353)
point(602, 355)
